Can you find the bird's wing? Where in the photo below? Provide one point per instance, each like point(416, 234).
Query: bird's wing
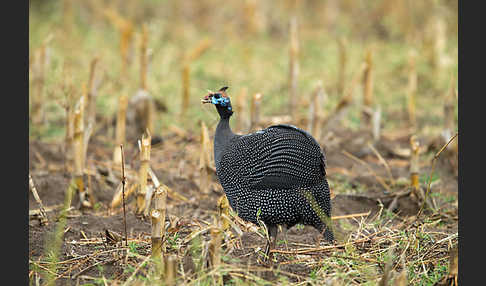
point(284, 157)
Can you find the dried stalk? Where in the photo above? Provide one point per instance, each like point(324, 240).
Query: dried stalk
point(170, 270)
point(90, 116)
point(351, 215)
point(376, 124)
point(142, 175)
point(293, 67)
point(368, 86)
point(412, 90)
point(223, 212)
point(453, 265)
point(43, 214)
point(148, 197)
point(205, 160)
point(124, 181)
point(119, 193)
point(215, 252)
point(414, 166)
point(120, 127)
point(79, 149)
point(88, 129)
point(255, 110)
point(160, 204)
point(157, 226)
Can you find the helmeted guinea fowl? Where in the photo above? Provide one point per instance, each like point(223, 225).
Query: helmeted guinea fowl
point(275, 175)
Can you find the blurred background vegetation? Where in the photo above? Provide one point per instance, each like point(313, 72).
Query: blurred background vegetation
point(244, 45)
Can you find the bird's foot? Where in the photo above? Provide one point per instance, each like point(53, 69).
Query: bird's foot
point(268, 256)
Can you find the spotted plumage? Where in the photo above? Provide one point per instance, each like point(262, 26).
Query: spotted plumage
point(276, 175)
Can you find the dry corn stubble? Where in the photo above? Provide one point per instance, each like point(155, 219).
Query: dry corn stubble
point(79, 160)
point(205, 160)
point(43, 215)
point(414, 163)
point(223, 212)
point(145, 146)
point(368, 83)
point(215, 251)
point(255, 111)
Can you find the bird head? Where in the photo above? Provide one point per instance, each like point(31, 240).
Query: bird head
point(221, 100)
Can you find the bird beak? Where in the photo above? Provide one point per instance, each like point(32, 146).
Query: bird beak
point(206, 99)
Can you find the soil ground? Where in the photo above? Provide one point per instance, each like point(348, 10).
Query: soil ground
point(354, 186)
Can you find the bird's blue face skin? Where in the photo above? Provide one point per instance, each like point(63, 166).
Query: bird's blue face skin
point(221, 101)
point(217, 99)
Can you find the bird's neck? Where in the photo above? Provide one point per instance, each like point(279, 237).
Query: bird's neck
point(222, 138)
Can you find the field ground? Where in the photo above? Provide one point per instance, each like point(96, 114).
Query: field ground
point(86, 255)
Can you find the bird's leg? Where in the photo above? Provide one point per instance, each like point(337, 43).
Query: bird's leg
point(327, 234)
point(272, 233)
point(285, 229)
